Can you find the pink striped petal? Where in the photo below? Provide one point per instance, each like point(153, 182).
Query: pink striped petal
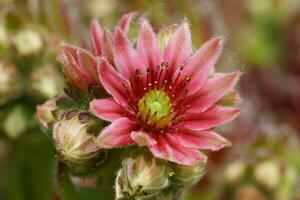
point(125, 55)
point(179, 47)
point(107, 109)
point(147, 46)
point(212, 91)
point(201, 139)
point(116, 134)
point(125, 21)
point(76, 74)
point(201, 63)
point(213, 117)
point(88, 63)
point(96, 37)
point(113, 82)
point(169, 148)
point(143, 138)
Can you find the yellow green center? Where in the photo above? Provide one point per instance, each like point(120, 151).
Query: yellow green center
point(155, 108)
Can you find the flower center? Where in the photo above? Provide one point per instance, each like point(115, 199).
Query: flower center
point(155, 109)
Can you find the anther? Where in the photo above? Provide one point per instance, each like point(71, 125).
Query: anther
point(187, 78)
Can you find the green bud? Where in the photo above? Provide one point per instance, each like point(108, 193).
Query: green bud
point(10, 85)
point(45, 81)
point(75, 142)
point(186, 176)
point(141, 177)
point(28, 42)
point(267, 173)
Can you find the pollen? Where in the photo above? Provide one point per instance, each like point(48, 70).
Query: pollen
point(155, 109)
point(171, 173)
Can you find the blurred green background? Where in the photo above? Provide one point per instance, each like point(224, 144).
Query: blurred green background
point(262, 40)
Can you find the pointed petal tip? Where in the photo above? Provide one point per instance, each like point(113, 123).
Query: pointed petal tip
point(233, 77)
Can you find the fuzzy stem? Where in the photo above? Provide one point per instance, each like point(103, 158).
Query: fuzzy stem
point(64, 186)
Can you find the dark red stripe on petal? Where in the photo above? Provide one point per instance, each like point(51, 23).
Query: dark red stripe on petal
point(201, 139)
point(179, 47)
point(201, 63)
point(147, 46)
point(114, 83)
point(125, 55)
point(212, 91)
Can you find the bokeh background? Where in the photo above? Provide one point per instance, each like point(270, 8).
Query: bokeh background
point(262, 40)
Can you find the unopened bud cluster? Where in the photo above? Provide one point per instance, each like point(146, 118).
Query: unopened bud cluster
point(74, 139)
point(143, 176)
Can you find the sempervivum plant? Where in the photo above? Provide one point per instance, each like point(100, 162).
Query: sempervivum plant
point(157, 96)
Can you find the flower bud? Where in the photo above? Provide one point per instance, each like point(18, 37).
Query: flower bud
point(140, 177)
point(186, 176)
point(267, 173)
point(75, 142)
point(28, 42)
point(45, 81)
point(10, 85)
point(235, 171)
point(80, 68)
point(15, 122)
point(46, 113)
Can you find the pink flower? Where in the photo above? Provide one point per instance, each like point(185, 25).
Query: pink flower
point(166, 101)
point(80, 66)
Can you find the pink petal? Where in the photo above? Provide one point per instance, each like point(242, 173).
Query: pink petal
point(169, 148)
point(107, 49)
point(107, 109)
point(88, 63)
point(201, 139)
point(113, 82)
point(125, 21)
point(147, 46)
point(213, 117)
point(143, 138)
point(179, 47)
point(116, 134)
point(201, 63)
point(96, 37)
point(125, 55)
point(212, 91)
